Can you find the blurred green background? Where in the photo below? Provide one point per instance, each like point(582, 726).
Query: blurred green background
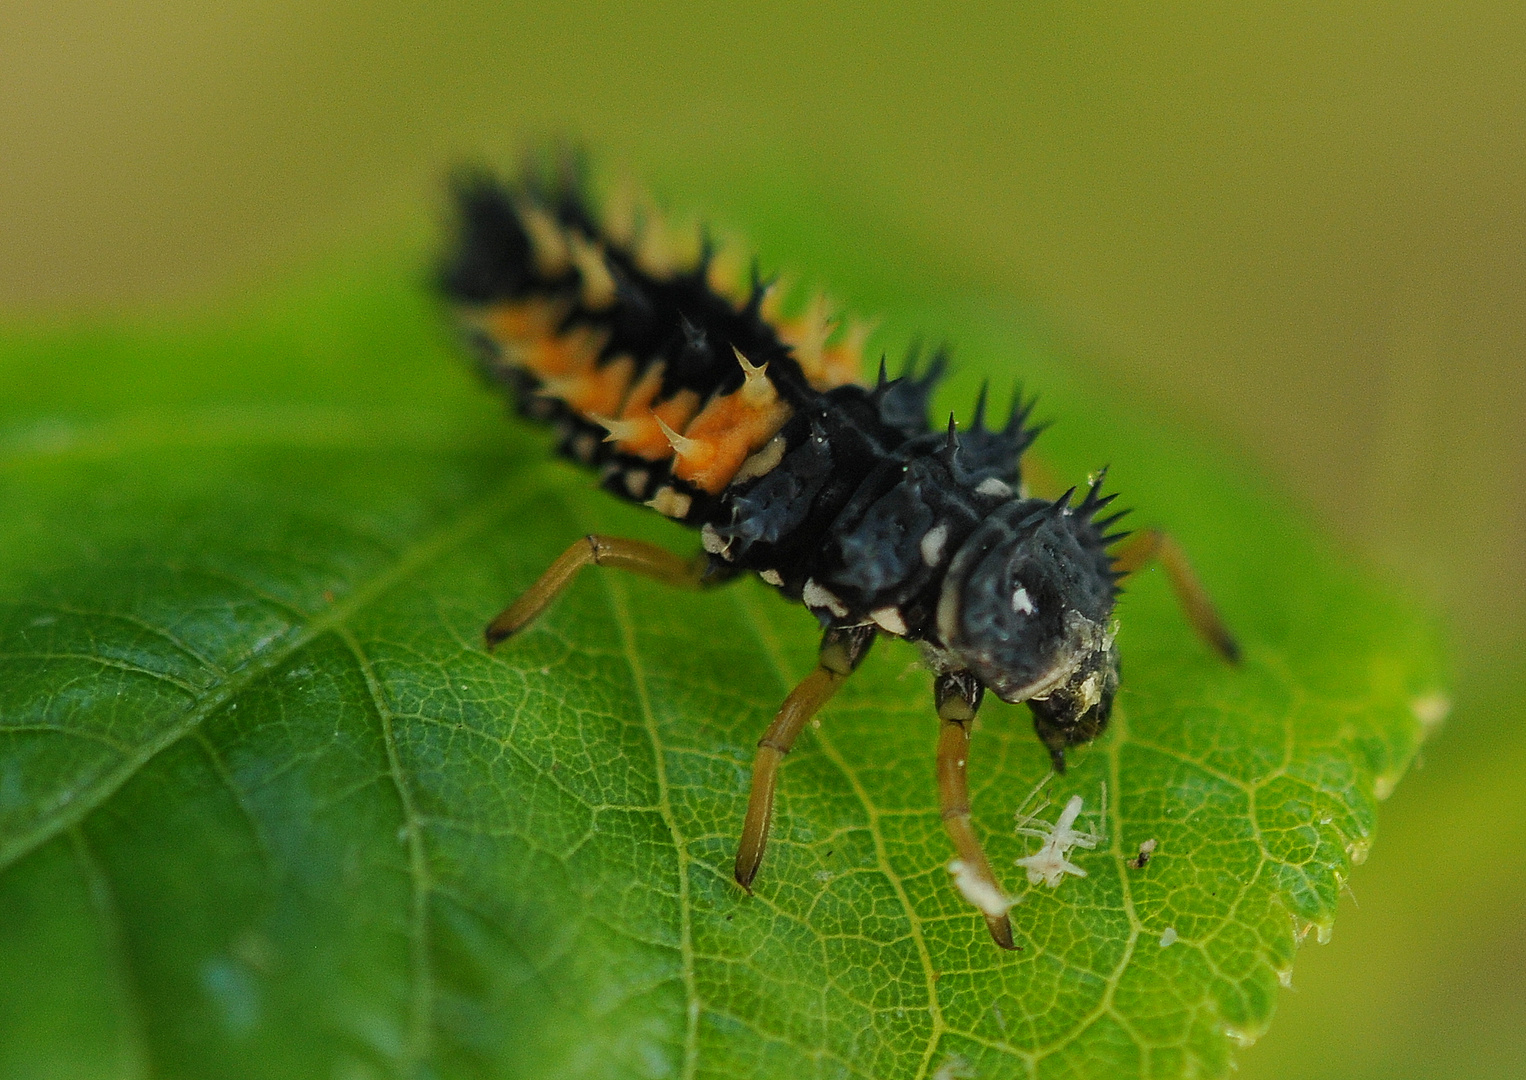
point(1295, 228)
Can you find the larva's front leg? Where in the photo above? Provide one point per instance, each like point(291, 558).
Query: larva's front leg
point(958, 697)
point(1162, 547)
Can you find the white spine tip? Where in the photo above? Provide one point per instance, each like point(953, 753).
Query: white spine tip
point(681, 444)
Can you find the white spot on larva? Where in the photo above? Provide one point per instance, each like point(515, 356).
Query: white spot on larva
point(1168, 938)
point(1431, 710)
point(670, 502)
point(983, 894)
point(815, 596)
point(1022, 603)
point(635, 481)
point(1049, 863)
point(994, 487)
point(1285, 977)
point(953, 1067)
point(933, 544)
point(584, 445)
point(890, 619)
point(713, 542)
point(771, 576)
point(763, 462)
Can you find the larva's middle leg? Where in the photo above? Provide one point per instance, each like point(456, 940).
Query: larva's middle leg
point(841, 653)
point(637, 556)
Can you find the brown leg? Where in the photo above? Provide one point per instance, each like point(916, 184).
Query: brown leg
point(958, 698)
point(637, 556)
point(841, 651)
point(1149, 544)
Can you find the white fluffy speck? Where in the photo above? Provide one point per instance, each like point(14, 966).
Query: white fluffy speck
point(933, 544)
point(771, 576)
point(1022, 603)
point(1049, 863)
point(1168, 938)
point(992, 486)
point(985, 896)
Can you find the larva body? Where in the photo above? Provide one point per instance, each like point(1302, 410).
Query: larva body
point(688, 391)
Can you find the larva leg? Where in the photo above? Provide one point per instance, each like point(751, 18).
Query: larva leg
point(841, 652)
point(958, 696)
point(637, 556)
point(1149, 544)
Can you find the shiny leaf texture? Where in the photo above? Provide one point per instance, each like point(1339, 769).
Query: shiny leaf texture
point(268, 809)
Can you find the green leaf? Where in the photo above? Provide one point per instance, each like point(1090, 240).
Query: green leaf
point(267, 808)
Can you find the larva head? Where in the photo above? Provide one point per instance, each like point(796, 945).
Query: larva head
point(1027, 606)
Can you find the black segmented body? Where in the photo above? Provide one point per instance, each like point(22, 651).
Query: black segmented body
point(850, 503)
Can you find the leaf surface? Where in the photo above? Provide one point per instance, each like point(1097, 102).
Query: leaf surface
point(268, 809)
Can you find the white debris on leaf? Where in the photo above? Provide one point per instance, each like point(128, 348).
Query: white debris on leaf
point(954, 1067)
point(1168, 938)
point(1049, 864)
point(985, 896)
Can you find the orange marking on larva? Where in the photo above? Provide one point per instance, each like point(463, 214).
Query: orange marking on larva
point(842, 362)
point(639, 403)
point(565, 355)
point(729, 429)
point(596, 392)
point(547, 239)
point(727, 273)
point(517, 322)
point(639, 433)
point(597, 284)
point(807, 336)
point(772, 307)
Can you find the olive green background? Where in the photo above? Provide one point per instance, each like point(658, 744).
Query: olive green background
point(1297, 229)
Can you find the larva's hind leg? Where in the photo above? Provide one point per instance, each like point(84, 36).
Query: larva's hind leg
point(1148, 544)
point(958, 696)
point(841, 652)
point(637, 556)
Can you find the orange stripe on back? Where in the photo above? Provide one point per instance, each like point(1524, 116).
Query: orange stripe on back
point(597, 391)
point(728, 430)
